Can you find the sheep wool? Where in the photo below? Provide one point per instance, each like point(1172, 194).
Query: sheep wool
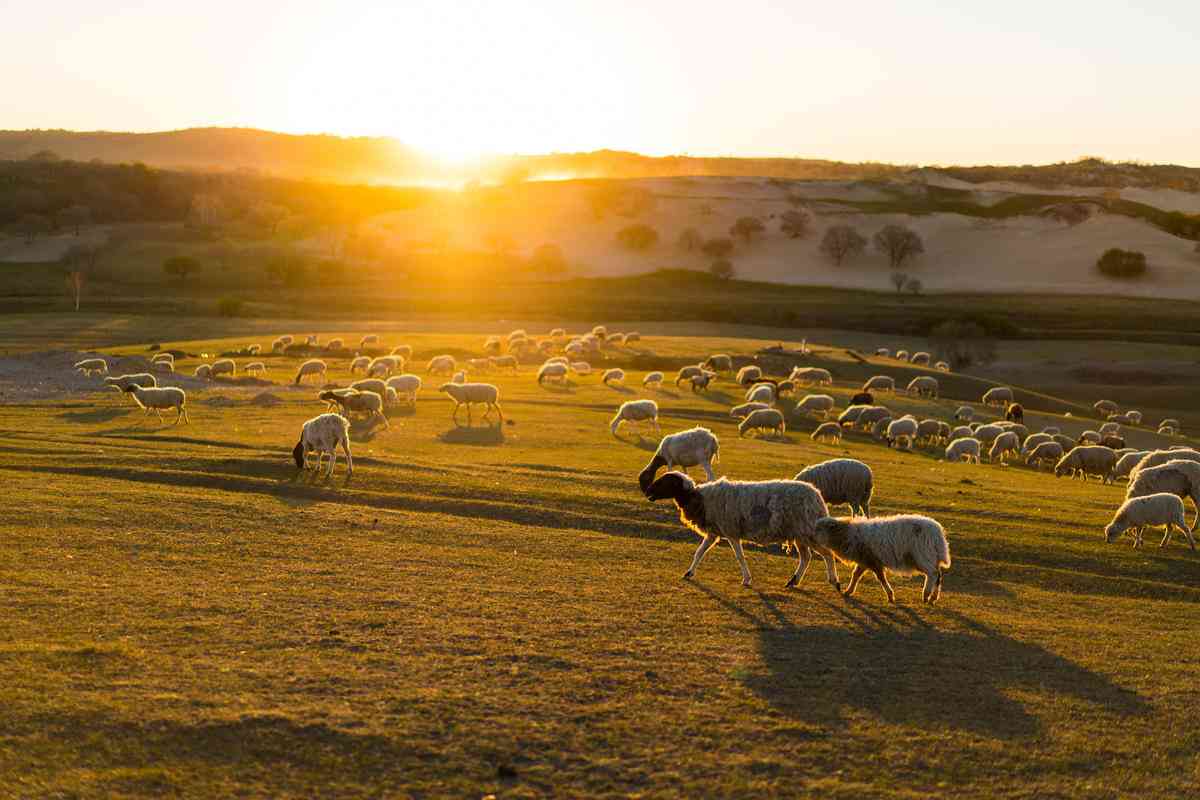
point(1045, 453)
point(906, 544)
point(314, 366)
point(468, 394)
point(635, 411)
point(924, 385)
point(842, 480)
point(964, 448)
point(552, 371)
point(763, 419)
point(827, 431)
point(695, 447)
point(158, 398)
point(1087, 460)
point(407, 385)
point(816, 404)
point(1151, 510)
point(611, 376)
point(1180, 478)
point(652, 380)
point(323, 435)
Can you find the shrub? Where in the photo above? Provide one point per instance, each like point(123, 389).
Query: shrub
point(746, 228)
point(718, 248)
point(913, 286)
point(721, 268)
point(1123, 264)
point(637, 237)
point(797, 224)
point(229, 307)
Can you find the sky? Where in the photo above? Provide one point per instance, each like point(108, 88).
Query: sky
point(913, 82)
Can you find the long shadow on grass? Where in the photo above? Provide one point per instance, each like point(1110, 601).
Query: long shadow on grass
point(486, 435)
point(893, 664)
point(96, 414)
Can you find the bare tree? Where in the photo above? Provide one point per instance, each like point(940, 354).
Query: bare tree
point(898, 280)
point(842, 242)
point(797, 223)
point(899, 244)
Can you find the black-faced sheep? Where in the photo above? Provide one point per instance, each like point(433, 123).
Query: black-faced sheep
point(323, 435)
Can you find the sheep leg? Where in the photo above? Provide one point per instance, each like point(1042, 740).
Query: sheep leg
point(937, 587)
point(930, 586)
point(499, 413)
point(830, 567)
point(883, 581)
point(859, 571)
point(709, 541)
point(332, 461)
point(1167, 529)
point(708, 470)
point(736, 544)
point(801, 565)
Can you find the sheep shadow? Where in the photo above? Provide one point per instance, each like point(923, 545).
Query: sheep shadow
point(559, 388)
point(637, 439)
point(96, 415)
point(718, 397)
point(401, 410)
point(666, 393)
point(364, 430)
point(488, 435)
point(894, 664)
point(621, 389)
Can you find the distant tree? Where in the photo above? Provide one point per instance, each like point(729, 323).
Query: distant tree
point(181, 266)
point(637, 237)
point(962, 344)
point(1118, 263)
point(74, 217)
point(288, 265)
point(718, 248)
point(45, 156)
point(746, 228)
point(913, 286)
point(76, 278)
point(842, 242)
point(32, 226)
point(690, 240)
point(899, 279)
point(721, 268)
point(797, 223)
point(548, 259)
point(899, 244)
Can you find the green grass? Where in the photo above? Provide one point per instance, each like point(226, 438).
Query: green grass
point(501, 611)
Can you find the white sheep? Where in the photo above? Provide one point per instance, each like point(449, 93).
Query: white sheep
point(879, 429)
point(280, 343)
point(1007, 443)
point(851, 414)
point(811, 375)
point(902, 355)
point(405, 351)
point(1151, 510)
point(323, 435)
point(504, 362)
point(883, 352)
point(1045, 453)
point(740, 412)
point(468, 394)
point(158, 398)
point(581, 368)
point(1110, 429)
point(964, 413)
point(552, 371)
point(870, 416)
point(1105, 407)
point(906, 544)
point(635, 411)
point(255, 368)
point(816, 404)
point(163, 357)
point(370, 338)
point(383, 366)
point(959, 432)
point(842, 481)
point(1181, 478)
point(632, 336)
point(360, 364)
point(253, 349)
point(459, 377)
point(612, 376)
point(558, 333)
point(987, 433)
point(1158, 457)
point(166, 367)
point(880, 383)
point(763, 419)
point(407, 385)
point(311, 340)
point(1087, 460)
point(653, 380)
point(998, 396)
point(718, 362)
point(441, 365)
point(368, 403)
point(695, 447)
point(1051, 430)
point(335, 343)
point(314, 366)
point(766, 512)
point(759, 393)
point(143, 379)
point(1127, 461)
point(1090, 437)
point(964, 448)
point(370, 385)
point(827, 431)
point(333, 397)
point(942, 366)
point(687, 373)
point(223, 366)
point(203, 371)
point(1033, 440)
point(901, 432)
point(920, 359)
point(929, 431)
point(747, 374)
point(924, 386)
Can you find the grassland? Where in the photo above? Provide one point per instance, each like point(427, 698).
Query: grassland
point(499, 611)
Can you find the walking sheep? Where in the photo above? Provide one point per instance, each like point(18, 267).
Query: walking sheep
point(157, 398)
point(92, 366)
point(1151, 510)
point(906, 544)
point(634, 411)
point(407, 385)
point(468, 394)
point(695, 447)
point(842, 480)
point(323, 435)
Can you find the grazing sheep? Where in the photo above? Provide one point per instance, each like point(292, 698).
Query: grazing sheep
point(468, 394)
point(459, 377)
point(505, 362)
point(766, 512)
point(1014, 413)
point(370, 338)
point(407, 385)
point(1157, 457)
point(920, 359)
point(1113, 442)
point(362, 363)
point(964, 413)
point(763, 419)
point(384, 366)
point(1048, 452)
point(581, 368)
point(1003, 445)
point(928, 431)
point(924, 385)
point(761, 393)
point(988, 433)
point(323, 435)
point(1150, 510)
point(816, 404)
point(492, 345)
point(827, 430)
point(441, 365)
point(850, 415)
point(959, 432)
point(1089, 437)
point(545, 347)
point(155, 399)
point(351, 401)
point(747, 374)
point(333, 397)
point(1051, 429)
point(906, 544)
point(719, 362)
point(883, 352)
point(1167, 430)
point(370, 385)
point(311, 340)
point(695, 447)
point(687, 373)
point(871, 415)
point(1105, 407)
point(223, 366)
point(1110, 428)
point(163, 366)
point(815, 376)
point(879, 429)
point(280, 343)
point(842, 481)
point(255, 368)
point(963, 448)
point(632, 336)
point(701, 382)
point(1087, 460)
point(785, 387)
point(942, 366)
point(740, 412)
point(1170, 423)
point(880, 383)
point(902, 355)
point(1127, 461)
point(203, 371)
point(862, 399)
point(1066, 441)
point(998, 396)
point(635, 411)
point(653, 380)
point(405, 351)
point(552, 371)
point(612, 376)
point(901, 431)
point(1181, 478)
point(1033, 440)
point(335, 344)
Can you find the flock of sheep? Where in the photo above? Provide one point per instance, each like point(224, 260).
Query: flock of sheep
point(793, 513)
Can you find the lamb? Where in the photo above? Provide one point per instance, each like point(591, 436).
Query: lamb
point(816, 404)
point(203, 371)
point(1045, 452)
point(1158, 457)
point(880, 383)
point(811, 375)
point(700, 382)
point(761, 393)
point(924, 385)
point(763, 419)
point(964, 413)
point(612, 376)
point(719, 362)
point(740, 412)
point(581, 368)
point(635, 411)
point(695, 447)
point(321, 435)
point(157, 398)
point(1152, 510)
point(901, 431)
point(1181, 478)
point(842, 480)
point(1127, 462)
point(468, 394)
point(441, 365)
point(552, 371)
point(1087, 460)
point(747, 374)
point(998, 396)
point(963, 448)
point(920, 359)
point(766, 512)
point(687, 373)
point(906, 544)
point(653, 380)
point(255, 368)
point(92, 366)
point(1003, 445)
point(1105, 407)
point(827, 430)
point(361, 363)
point(333, 397)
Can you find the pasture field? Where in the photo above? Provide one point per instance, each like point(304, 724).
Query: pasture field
point(498, 610)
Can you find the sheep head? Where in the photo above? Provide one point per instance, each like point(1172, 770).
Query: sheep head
point(672, 486)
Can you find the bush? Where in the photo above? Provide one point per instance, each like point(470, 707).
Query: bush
point(796, 224)
point(230, 307)
point(637, 237)
point(722, 268)
point(718, 248)
point(1122, 264)
point(746, 228)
